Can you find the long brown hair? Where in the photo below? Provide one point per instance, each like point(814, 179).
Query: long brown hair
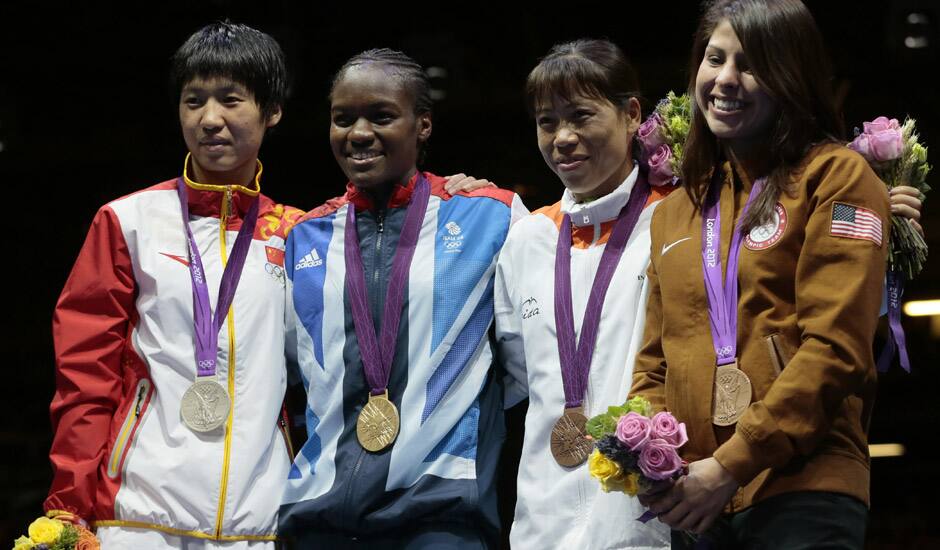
point(785, 52)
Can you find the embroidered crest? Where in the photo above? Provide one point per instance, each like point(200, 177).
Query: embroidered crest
point(855, 222)
point(767, 235)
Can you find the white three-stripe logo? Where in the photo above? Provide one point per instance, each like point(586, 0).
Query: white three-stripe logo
point(312, 259)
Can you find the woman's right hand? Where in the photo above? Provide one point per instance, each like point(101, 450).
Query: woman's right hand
point(462, 182)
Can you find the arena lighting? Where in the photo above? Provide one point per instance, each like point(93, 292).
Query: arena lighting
point(437, 74)
point(922, 308)
point(918, 23)
point(882, 450)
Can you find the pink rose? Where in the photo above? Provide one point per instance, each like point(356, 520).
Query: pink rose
point(649, 135)
point(659, 460)
point(633, 430)
point(886, 145)
point(666, 427)
point(881, 124)
point(660, 167)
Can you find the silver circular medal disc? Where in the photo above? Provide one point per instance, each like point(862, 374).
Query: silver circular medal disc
point(205, 406)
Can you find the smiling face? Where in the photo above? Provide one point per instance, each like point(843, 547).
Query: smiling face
point(374, 132)
point(586, 141)
point(736, 108)
point(223, 128)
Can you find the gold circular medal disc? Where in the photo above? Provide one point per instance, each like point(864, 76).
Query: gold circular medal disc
point(205, 406)
point(378, 423)
point(569, 445)
point(732, 395)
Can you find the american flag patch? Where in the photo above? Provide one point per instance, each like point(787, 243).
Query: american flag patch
point(855, 222)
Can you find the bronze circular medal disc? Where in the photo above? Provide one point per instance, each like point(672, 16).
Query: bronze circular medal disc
point(205, 406)
point(569, 445)
point(732, 395)
point(378, 423)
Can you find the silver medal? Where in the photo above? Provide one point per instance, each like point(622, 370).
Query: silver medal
point(205, 405)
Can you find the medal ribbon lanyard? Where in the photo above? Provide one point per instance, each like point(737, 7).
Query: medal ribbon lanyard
point(378, 353)
point(575, 358)
point(206, 323)
point(722, 300)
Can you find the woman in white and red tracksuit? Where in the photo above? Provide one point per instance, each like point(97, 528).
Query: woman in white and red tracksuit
point(123, 459)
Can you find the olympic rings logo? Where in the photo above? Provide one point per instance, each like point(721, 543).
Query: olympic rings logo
point(275, 271)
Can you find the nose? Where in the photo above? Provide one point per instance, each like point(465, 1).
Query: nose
point(361, 132)
point(212, 119)
point(728, 75)
point(565, 138)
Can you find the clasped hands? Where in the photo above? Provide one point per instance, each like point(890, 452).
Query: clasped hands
point(694, 501)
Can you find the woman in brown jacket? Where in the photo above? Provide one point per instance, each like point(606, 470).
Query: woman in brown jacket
point(782, 232)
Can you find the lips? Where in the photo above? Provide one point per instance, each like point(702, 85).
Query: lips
point(570, 163)
point(364, 159)
point(727, 105)
point(214, 144)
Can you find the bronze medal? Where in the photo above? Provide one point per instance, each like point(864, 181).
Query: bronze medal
point(378, 423)
point(732, 394)
point(205, 405)
point(569, 443)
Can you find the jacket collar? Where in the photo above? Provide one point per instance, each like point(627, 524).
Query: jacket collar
point(599, 210)
point(208, 200)
point(399, 198)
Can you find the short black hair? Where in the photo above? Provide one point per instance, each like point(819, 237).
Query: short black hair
point(412, 75)
point(596, 68)
point(236, 51)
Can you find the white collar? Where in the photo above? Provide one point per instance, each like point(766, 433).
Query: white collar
point(600, 210)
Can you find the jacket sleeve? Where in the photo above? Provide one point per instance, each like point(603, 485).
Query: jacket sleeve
point(509, 341)
point(838, 284)
point(89, 330)
point(649, 372)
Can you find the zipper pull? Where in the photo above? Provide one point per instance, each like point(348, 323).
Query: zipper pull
point(140, 400)
point(380, 221)
point(226, 204)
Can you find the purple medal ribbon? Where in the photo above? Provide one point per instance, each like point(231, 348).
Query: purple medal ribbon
point(896, 340)
point(575, 358)
point(723, 300)
point(378, 353)
point(206, 323)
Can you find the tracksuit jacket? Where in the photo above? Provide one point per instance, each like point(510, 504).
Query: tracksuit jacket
point(441, 469)
point(124, 341)
point(558, 507)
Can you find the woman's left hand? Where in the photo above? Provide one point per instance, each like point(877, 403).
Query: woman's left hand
point(905, 202)
point(463, 182)
point(696, 499)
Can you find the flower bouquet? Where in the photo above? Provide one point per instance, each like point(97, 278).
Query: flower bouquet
point(895, 153)
point(53, 534)
point(634, 449)
point(662, 138)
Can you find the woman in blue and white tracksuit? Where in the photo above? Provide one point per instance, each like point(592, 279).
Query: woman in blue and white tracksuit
point(434, 483)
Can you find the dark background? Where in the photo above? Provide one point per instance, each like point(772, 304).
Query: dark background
point(85, 117)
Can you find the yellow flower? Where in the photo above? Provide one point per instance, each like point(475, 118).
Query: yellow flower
point(602, 467)
point(45, 530)
point(23, 543)
point(631, 484)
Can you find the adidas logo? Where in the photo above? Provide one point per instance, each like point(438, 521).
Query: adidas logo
point(312, 259)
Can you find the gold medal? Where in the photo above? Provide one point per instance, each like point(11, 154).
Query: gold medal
point(569, 444)
point(205, 405)
point(732, 394)
point(378, 423)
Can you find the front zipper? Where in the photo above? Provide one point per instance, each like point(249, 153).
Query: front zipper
point(230, 318)
point(126, 434)
point(380, 231)
point(349, 487)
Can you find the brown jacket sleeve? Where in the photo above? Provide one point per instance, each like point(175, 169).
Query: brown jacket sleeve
point(838, 282)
